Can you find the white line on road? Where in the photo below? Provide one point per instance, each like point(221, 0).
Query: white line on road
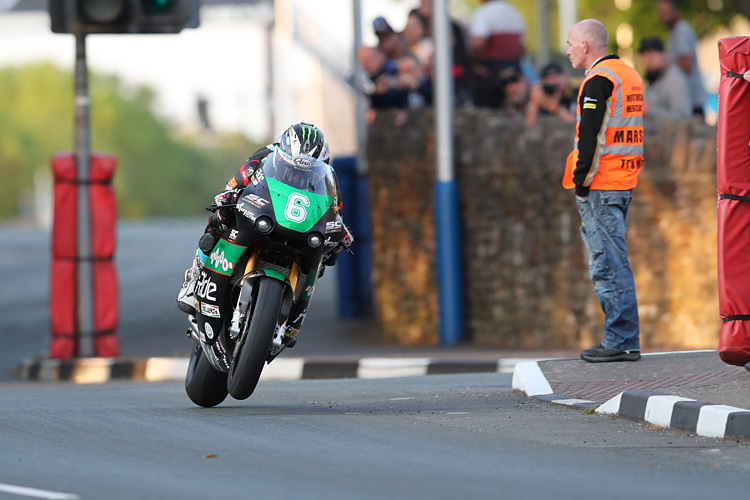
point(35, 493)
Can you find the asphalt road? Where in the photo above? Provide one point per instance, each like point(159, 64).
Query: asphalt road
point(438, 436)
point(151, 258)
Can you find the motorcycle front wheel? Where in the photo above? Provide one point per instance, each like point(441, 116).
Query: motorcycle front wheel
point(204, 385)
point(247, 366)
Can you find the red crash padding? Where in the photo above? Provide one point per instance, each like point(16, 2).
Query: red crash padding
point(106, 311)
point(733, 175)
point(102, 205)
point(63, 307)
point(734, 349)
point(733, 148)
point(66, 257)
point(64, 228)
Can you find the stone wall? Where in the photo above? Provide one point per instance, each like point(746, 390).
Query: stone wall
point(526, 282)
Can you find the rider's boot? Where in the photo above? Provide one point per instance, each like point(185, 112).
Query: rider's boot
point(186, 297)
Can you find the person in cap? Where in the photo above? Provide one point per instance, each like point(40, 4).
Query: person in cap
point(515, 87)
point(667, 95)
point(552, 96)
point(388, 40)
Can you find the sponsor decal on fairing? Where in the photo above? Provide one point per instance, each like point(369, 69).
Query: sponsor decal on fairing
point(209, 310)
point(205, 287)
point(241, 208)
point(224, 256)
point(334, 226)
point(256, 200)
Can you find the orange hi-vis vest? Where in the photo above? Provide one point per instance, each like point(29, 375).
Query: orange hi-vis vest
point(619, 151)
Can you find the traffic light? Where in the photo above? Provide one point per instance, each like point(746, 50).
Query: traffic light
point(123, 16)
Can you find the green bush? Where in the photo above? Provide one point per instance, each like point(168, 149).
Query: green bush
point(159, 172)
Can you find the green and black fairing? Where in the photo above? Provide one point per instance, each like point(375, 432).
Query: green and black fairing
point(286, 216)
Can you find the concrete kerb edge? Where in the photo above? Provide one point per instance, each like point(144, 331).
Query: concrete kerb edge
point(663, 410)
point(529, 379)
point(100, 370)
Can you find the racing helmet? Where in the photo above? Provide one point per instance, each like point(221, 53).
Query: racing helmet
point(304, 139)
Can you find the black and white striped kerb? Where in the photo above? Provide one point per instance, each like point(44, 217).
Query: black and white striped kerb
point(704, 419)
point(98, 370)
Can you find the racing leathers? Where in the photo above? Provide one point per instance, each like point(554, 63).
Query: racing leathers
point(221, 219)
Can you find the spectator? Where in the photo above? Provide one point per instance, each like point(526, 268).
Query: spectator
point(668, 94)
point(388, 40)
point(382, 86)
point(496, 42)
point(516, 88)
point(681, 51)
point(553, 96)
point(412, 80)
point(461, 64)
point(415, 36)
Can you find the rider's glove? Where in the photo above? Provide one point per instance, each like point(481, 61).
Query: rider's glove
point(223, 203)
point(228, 197)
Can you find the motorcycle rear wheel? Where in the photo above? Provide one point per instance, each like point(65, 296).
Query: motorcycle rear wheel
point(204, 385)
point(247, 366)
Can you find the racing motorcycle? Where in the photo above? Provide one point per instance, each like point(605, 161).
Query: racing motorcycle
point(286, 224)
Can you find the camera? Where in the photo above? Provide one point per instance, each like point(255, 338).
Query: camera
point(549, 88)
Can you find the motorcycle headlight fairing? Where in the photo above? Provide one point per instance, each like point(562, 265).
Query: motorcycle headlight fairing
point(264, 224)
point(315, 240)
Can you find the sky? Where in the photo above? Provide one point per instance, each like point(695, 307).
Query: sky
point(225, 59)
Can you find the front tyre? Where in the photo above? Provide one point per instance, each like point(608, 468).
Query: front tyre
point(204, 385)
point(247, 366)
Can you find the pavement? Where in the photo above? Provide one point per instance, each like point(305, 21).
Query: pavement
point(693, 391)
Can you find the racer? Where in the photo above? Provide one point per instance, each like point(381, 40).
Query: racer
point(300, 139)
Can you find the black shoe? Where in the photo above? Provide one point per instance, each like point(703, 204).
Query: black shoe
point(601, 354)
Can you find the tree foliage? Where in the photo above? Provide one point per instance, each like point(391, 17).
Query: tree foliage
point(704, 15)
point(158, 173)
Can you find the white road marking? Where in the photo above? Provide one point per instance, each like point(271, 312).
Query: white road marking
point(36, 493)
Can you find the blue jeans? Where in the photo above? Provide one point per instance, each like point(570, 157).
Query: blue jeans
point(605, 216)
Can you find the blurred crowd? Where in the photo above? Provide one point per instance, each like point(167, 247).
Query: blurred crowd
point(491, 68)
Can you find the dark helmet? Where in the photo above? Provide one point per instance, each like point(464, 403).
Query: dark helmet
point(304, 139)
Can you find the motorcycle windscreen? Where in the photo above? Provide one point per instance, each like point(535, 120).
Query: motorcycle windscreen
point(301, 189)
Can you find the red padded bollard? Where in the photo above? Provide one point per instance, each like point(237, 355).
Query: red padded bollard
point(733, 169)
point(65, 258)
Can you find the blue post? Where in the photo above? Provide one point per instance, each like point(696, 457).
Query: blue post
point(447, 222)
point(449, 274)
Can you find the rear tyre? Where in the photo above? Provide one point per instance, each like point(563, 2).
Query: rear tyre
point(204, 385)
point(247, 366)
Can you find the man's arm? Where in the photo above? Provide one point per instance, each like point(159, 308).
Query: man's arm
point(242, 178)
point(594, 104)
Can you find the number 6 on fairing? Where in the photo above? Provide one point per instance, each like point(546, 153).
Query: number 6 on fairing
point(296, 207)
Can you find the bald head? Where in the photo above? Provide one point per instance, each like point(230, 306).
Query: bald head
point(587, 42)
point(593, 32)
